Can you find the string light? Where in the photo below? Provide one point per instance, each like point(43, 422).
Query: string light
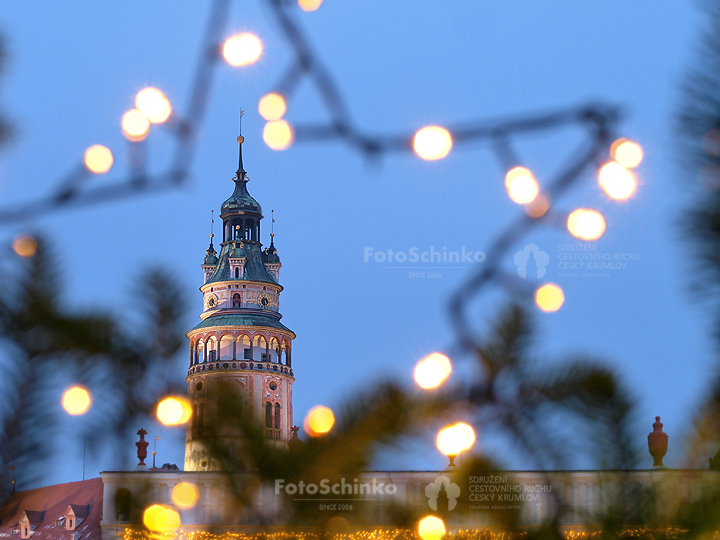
point(319, 421)
point(76, 400)
point(538, 207)
point(521, 185)
point(617, 181)
point(432, 142)
point(278, 134)
point(432, 371)
point(272, 106)
point(549, 297)
point(242, 49)
point(153, 104)
point(586, 224)
point(135, 125)
point(185, 495)
point(431, 528)
point(25, 245)
point(98, 159)
point(627, 153)
point(174, 410)
point(455, 439)
point(161, 519)
point(310, 5)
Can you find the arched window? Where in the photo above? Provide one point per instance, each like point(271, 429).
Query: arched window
point(237, 273)
point(277, 418)
point(268, 415)
point(123, 504)
point(236, 296)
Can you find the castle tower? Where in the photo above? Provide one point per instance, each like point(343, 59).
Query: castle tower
point(240, 339)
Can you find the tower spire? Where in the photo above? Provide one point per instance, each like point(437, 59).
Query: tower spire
point(272, 228)
point(241, 174)
point(212, 225)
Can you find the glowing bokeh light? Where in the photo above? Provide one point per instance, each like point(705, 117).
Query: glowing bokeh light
point(627, 153)
point(319, 421)
point(431, 528)
point(432, 142)
point(310, 5)
point(135, 125)
point(709, 177)
point(242, 49)
point(98, 159)
point(549, 297)
point(174, 410)
point(521, 185)
point(161, 519)
point(272, 106)
point(25, 245)
point(76, 400)
point(432, 371)
point(586, 224)
point(154, 104)
point(278, 134)
point(185, 495)
point(455, 439)
point(711, 142)
point(538, 207)
point(616, 181)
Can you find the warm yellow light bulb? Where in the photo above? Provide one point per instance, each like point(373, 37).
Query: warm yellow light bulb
point(154, 104)
point(98, 159)
point(272, 106)
point(135, 125)
point(586, 224)
point(174, 410)
point(319, 421)
point(627, 153)
point(538, 207)
point(521, 185)
point(76, 400)
point(432, 142)
point(242, 49)
point(310, 5)
point(431, 528)
point(185, 495)
point(432, 371)
point(455, 439)
point(161, 519)
point(25, 246)
point(617, 182)
point(549, 297)
point(278, 134)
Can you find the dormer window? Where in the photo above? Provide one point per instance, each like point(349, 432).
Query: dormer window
point(60, 522)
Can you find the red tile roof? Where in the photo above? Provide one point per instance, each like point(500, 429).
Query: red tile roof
point(54, 501)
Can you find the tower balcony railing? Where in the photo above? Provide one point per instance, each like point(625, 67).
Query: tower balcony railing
point(219, 365)
point(271, 433)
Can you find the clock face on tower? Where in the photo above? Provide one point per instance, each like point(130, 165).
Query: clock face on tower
point(264, 301)
point(212, 301)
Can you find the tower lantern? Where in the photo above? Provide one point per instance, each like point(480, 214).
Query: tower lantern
point(240, 339)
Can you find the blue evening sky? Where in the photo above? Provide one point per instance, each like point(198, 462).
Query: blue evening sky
point(74, 69)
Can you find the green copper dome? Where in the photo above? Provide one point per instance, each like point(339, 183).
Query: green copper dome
point(240, 200)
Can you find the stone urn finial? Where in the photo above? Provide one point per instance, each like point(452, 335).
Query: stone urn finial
point(142, 445)
point(657, 443)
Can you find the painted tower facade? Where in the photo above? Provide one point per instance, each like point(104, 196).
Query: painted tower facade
point(240, 339)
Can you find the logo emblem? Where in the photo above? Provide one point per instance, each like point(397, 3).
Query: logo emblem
point(531, 262)
point(432, 491)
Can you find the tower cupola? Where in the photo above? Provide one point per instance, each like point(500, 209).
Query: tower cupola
point(241, 213)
